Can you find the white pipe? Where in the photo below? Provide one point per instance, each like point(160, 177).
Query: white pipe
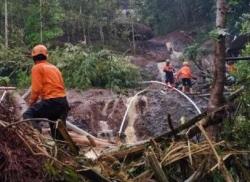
point(4, 94)
point(180, 92)
point(78, 130)
point(190, 100)
point(126, 113)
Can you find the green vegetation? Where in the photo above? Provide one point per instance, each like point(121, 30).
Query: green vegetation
point(31, 22)
point(167, 15)
point(50, 18)
point(238, 9)
point(13, 64)
point(65, 174)
point(238, 129)
point(81, 68)
point(241, 125)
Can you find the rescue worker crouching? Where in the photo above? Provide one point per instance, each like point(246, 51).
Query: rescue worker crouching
point(47, 85)
point(169, 74)
point(185, 74)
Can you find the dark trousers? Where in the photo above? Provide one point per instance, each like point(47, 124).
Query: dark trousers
point(52, 109)
point(186, 82)
point(169, 77)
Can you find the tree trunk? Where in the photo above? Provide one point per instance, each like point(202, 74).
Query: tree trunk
point(41, 22)
point(217, 98)
point(101, 33)
point(132, 26)
point(6, 24)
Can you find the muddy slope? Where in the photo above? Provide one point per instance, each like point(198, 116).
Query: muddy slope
point(95, 108)
point(98, 111)
point(160, 103)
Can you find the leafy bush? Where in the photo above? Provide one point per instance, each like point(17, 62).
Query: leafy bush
point(191, 51)
point(81, 68)
point(245, 25)
point(84, 69)
point(12, 63)
point(243, 75)
point(238, 131)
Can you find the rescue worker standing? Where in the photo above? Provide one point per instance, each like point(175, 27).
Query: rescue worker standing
point(48, 96)
point(185, 74)
point(169, 73)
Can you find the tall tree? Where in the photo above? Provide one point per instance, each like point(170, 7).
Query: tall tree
point(168, 15)
point(41, 22)
point(217, 98)
point(131, 18)
point(6, 23)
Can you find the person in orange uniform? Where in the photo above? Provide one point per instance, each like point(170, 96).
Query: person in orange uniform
point(169, 73)
point(48, 95)
point(185, 74)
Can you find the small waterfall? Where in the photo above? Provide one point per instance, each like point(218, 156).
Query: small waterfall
point(132, 116)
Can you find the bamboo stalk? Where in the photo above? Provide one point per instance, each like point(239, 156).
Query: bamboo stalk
point(221, 164)
point(156, 167)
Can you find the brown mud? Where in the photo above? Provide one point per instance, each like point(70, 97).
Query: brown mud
point(97, 110)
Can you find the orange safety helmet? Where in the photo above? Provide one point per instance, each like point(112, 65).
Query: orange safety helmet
point(39, 49)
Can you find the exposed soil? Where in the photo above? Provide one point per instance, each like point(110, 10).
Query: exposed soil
point(95, 106)
point(154, 50)
point(99, 110)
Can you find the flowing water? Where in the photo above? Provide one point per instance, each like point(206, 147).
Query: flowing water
point(132, 116)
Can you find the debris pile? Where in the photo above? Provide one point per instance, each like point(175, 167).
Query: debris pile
point(173, 161)
point(27, 155)
point(21, 148)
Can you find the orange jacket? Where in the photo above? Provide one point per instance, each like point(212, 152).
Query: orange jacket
point(231, 68)
point(184, 72)
point(168, 68)
point(46, 82)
